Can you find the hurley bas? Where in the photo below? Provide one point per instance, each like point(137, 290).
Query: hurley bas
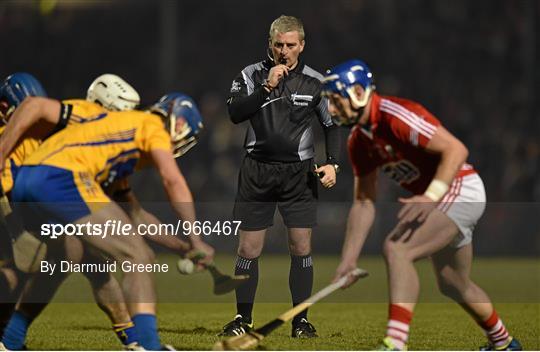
point(126, 266)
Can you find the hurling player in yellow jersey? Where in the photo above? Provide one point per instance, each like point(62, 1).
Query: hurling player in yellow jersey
point(113, 93)
point(110, 92)
point(63, 180)
point(13, 90)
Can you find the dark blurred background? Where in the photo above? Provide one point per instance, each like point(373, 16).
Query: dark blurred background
point(472, 63)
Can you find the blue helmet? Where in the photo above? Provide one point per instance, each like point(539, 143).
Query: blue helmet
point(15, 88)
point(342, 78)
point(182, 120)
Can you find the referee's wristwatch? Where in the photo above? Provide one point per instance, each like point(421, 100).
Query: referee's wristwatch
point(332, 161)
point(336, 167)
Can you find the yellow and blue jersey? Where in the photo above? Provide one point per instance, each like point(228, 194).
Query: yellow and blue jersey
point(106, 146)
point(15, 160)
point(82, 111)
point(68, 171)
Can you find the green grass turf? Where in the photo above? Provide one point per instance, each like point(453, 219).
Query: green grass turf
point(353, 319)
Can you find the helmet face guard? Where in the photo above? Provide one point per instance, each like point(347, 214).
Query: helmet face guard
point(341, 80)
point(182, 119)
point(184, 146)
point(14, 89)
point(5, 111)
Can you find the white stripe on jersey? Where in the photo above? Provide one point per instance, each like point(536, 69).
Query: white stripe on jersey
point(427, 125)
point(408, 117)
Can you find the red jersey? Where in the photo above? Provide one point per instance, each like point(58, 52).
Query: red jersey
point(395, 140)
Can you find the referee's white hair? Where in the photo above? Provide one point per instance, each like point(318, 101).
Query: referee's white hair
point(284, 24)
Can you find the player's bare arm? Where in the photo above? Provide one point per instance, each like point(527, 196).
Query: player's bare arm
point(359, 222)
point(179, 196)
point(35, 117)
point(453, 154)
point(121, 192)
point(417, 208)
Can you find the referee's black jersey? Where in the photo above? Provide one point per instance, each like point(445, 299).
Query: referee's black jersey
point(280, 121)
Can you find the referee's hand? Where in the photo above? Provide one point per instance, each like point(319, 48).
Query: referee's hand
point(276, 74)
point(329, 178)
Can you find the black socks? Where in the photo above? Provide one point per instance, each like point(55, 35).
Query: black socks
point(245, 294)
point(300, 281)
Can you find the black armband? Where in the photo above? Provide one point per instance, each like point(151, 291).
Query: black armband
point(65, 114)
point(63, 119)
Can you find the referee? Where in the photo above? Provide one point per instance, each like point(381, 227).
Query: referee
point(279, 97)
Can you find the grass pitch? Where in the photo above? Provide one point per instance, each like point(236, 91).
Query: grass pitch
point(354, 319)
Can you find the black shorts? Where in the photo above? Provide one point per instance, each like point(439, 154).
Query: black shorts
point(263, 185)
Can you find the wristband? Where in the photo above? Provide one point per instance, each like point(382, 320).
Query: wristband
point(436, 190)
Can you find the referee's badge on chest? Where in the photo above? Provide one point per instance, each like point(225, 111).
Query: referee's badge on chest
point(301, 100)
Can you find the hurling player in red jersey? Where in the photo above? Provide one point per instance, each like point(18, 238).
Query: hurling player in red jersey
point(405, 141)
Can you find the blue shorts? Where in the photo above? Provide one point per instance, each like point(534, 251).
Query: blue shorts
point(48, 194)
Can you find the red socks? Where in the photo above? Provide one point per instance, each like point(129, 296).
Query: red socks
point(495, 330)
point(397, 330)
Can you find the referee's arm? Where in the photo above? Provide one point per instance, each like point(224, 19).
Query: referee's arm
point(331, 132)
point(243, 104)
